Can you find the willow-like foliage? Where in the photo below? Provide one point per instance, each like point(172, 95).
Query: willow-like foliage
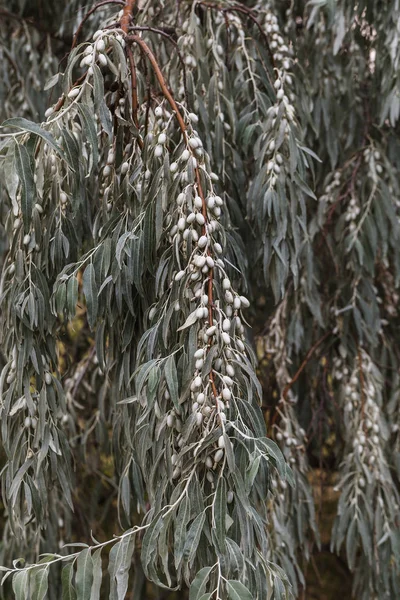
point(163, 165)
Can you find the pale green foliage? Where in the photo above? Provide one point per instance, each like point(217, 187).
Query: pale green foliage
point(274, 167)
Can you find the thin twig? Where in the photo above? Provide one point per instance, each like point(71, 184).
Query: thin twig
point(134, 93)
point(304, 364)
point(85, 18)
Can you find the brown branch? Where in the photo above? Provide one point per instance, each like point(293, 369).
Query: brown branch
point(128, 9)
point(303, 365)
point(134, 93)
point(169, 37)
point(91, 11)
point(61, 99)
point(161, 80)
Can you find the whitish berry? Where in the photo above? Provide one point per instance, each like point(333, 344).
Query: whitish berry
point(218, 456)
point(74, 92)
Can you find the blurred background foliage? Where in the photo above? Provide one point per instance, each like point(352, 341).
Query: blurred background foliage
point(325, 325)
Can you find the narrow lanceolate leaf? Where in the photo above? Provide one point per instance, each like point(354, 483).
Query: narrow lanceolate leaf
point(198, 586)
point(172, 380)
point(149, 546)
point(238, 591)
point(68, 590)
point(72, 294)
point(97, 575)
point(90, 291)
point(27, 125)
point(193, 538)
point(20, 585)
point(39, 583)
point(220, 513)
point(119, 566)
point(89, 127)
point(24, 170)
point(84, 574)
point(180, 530)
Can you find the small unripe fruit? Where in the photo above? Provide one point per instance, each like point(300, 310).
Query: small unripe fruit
point(210, 262)
point(48, 378)
point(100, 46)
point(193, 143)
point(221, 442)
point(199, 312)
point(74, 92)
point(27, 239)
point(226, 325)
point(211, 330)
point(230, 370)
point(185, 155)
point(179, 275)
point(103, 59)
point(226, 394)
point(199, 261)
point(218, 456)
point(176, 473)
point(162, 138)
point(203, 240)
point(244, 302)
point(197, 382)
point(170, 420)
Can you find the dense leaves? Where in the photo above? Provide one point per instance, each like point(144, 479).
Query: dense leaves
point(187, 154)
